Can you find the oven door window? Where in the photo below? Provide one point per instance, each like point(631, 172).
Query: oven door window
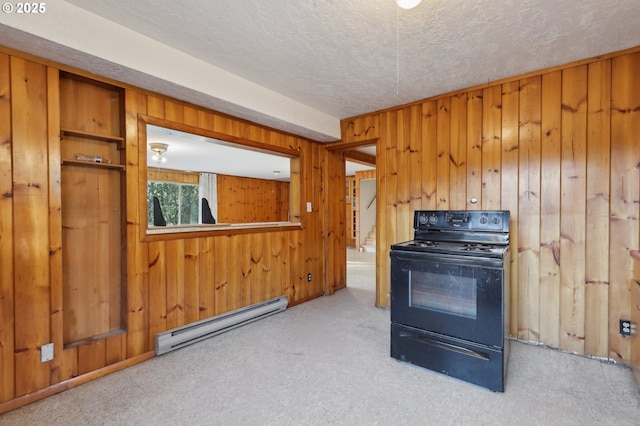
point(447, 293)
point(461, 297)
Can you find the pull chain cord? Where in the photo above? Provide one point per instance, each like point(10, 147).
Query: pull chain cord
point(397, 50)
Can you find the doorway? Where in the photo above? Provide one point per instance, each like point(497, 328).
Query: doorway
point(348, 265)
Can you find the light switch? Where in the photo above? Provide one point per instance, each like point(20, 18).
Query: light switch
point(309, 208)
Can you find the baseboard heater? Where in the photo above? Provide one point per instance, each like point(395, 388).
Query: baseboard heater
point(188, 334)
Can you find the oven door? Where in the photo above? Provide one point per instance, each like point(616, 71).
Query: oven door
point(457, 296)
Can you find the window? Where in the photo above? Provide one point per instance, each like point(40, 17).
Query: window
point(178, 203)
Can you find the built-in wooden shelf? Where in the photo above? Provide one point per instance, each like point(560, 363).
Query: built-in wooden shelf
point(82, 134)
point(92, 164)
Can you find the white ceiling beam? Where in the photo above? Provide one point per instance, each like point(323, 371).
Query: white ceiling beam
point(92, 36)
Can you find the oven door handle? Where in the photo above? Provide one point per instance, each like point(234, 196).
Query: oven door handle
point(447, 346)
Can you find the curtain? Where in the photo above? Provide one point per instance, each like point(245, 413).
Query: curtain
point(208, 190)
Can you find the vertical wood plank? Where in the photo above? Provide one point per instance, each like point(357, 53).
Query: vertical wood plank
point(138, 338)
point(415, 158)
point(572, 224)
point(30, 232)
point(550, 209)
point(429, 155)
point(528, 228)
point(175, 282)
point(491, 147)
point(7, 315)
point(115, 349)
point(388, 123)
point(226, 267)
point(206, 277)
point(443, 184)
point(64, 364)
point(192, 263)
point(474, 148)
point(256, 259)
point(597, 233)
point(274, 250)
point(625, 157)
point(91, 356)
point(458, 153)
point(157, 306)
point(509, 183)
point(404, 217)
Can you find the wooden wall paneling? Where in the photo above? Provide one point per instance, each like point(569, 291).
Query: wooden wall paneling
point(625, 157)
point(235, 272)
point(245, 270)
point(273, 249)
point(175, 282)
point(443, 161)
point(388, 192)
point(429, 155)
point(285, 263)
point(491, 147)
point(528, 210)
point(32, 297)
point(92, 303)
point(315, 230)
point(509, 185)
point(403, 152)
point(573, 210)
point(550, 209)
point(64, 364)
point(174, 111)
point(382, 257)
point(474, 148)
point(206, 276)
point(415, 160)
point(157, 305)
point(458, 153)
point(299, 276)
point(306, 236)
point(191, 280)
point(90, 107)
point(7, 314)
point(155, 106)
point(91, 356)
point(295, 197)
point(360, 129)
point(597, 209)
point(214, 277)
point(138, 337)
point(115, 349)
point(259, 276)
point(336, 231)
point(190, 116)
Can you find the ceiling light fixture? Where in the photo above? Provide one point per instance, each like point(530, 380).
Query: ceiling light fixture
point(408, 4)
point(158, 149)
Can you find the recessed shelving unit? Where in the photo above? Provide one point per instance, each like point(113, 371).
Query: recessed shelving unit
point(93, 210)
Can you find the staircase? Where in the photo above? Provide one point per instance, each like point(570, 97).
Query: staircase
point(370, 242)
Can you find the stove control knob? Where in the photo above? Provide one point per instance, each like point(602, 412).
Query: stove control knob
point(495, 220)
point(422, 219)
point(484, 220)
point(433, 219)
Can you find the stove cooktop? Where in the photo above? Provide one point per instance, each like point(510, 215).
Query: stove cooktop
point(453, 247)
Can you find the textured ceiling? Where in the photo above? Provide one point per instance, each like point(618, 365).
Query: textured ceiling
point(345, 58)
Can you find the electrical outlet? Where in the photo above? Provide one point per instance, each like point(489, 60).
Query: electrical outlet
point(625, 327)
point(46, 352)
point(309, 277)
